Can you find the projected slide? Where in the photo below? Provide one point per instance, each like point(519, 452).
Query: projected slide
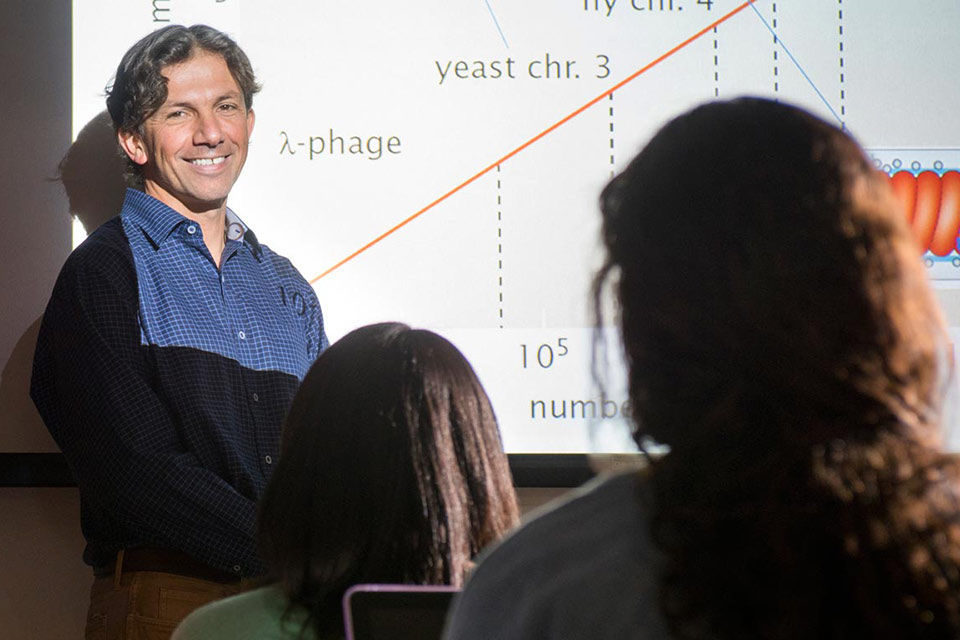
point(439, 162)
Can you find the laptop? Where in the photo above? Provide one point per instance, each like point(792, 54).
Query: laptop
point(396, 611)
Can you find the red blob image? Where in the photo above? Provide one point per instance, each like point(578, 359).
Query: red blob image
point(931, 203)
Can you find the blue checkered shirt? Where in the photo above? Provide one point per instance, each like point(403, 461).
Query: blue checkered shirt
point(165, 381)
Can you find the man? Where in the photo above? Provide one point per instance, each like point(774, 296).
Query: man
point(172, 345)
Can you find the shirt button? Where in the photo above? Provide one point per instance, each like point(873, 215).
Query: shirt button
point(268, 459)
point(191, 229)
point(236, 568)
point(242, 335)
point(256, 397)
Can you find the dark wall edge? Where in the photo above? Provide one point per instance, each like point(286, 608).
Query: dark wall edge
point(34, 470)
point(528, 469)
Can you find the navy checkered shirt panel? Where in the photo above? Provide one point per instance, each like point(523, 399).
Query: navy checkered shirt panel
point(165, 382)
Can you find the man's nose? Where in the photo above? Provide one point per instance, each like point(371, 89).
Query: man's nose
point(209, 131)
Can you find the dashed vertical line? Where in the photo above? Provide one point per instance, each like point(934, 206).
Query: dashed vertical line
point(716, 65)
point(499, 247)
point(843, 89)
point(776, 55)
point(613, 157)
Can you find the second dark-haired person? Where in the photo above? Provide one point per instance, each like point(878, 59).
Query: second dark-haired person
point(171, 347)
point(393, 435)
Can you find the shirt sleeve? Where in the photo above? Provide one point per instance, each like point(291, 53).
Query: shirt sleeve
point(91, 387)
point(316, 333)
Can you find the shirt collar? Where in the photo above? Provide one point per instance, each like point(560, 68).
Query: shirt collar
point(238, 230)
point(158, 221)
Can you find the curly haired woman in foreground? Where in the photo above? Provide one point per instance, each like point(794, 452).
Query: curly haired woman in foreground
point(782, 340)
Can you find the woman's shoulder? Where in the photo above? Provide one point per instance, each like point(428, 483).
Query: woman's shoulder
point(607, 513)
point(261, 613)
point(568, 568)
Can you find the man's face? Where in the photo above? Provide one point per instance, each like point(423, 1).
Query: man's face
point(194, 146)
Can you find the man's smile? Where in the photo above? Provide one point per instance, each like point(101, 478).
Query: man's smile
point(206, 162)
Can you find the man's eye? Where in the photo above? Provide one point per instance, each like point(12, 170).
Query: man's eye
point(176, 114)
point(228, 107)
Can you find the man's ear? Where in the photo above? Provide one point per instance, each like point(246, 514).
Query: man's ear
point(133, 145)
point(251, 118)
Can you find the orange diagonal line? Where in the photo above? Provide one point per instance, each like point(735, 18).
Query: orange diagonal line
point(633, 76)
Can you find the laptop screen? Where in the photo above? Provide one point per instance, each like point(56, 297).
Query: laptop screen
point(395, 611)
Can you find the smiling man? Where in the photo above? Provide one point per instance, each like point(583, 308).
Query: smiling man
point(172, 346)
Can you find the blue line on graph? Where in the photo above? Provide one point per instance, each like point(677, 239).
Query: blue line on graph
point(496, 22)
point(795, 62)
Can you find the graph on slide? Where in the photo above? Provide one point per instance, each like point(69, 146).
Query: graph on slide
point(439, 163)
point(537, 137)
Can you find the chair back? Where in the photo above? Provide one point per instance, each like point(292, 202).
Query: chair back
point(396, 611)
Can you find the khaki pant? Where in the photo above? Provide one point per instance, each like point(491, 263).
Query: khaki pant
point(147, 605)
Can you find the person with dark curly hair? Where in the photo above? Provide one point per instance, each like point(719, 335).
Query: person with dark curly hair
point(783, 343)
point(172, 345)
point(392, 472)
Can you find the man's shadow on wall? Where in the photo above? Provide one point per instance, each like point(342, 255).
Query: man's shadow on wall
point(91, 173)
